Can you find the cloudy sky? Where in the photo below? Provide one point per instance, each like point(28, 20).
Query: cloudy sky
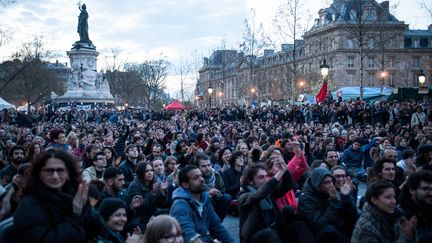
point(176, 29)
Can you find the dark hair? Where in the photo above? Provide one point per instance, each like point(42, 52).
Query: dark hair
point(141, 169)
point(178, 146)
point(113, 152)
point(97, 154)
point(256, 155)
point(221, 152)
point(129, 147)
point(16, 147)
point(32, 176)
point(379, 165)
point(408, 153)
point(199, 157)
point(249, 173)
point(89, 148)
point(415, 178)
point(329, 150)
point(31, 151)
point(339, 167)
point(233, 157)
point(182, 175)
point(375, 189)
point(54, 133)
point(111, 172)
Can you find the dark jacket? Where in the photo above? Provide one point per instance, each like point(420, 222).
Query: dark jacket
point(47, 216)
point(9, 171)
point(152, 201)
point(319, 210)
point(128, 169)
point(206, 225)
point(231, 179)
point(423, 212)
point(252, 216)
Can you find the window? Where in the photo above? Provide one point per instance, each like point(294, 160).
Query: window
point(371, 62)
point(416, 43)
point(370, 43)
point(371, 78)
point(350, 62)
point(391, 79)
point(350, 43)
point(351, 79)
point(416, 62)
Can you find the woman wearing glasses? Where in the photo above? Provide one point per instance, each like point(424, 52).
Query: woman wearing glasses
point(163, 229)
point(54, 207)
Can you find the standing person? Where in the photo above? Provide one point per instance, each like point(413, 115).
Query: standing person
point(194, 211)
point(54, 207)
point(380, 220)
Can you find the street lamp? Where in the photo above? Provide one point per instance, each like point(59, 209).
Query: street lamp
point(324, 69)
point(422, 78)
point(210, 91)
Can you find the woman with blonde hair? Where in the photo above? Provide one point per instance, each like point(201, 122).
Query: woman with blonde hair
point(163, 228)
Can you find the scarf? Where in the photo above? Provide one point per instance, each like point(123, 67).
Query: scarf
point(210, 181)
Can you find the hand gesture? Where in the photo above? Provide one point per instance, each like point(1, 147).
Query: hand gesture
point(80, 198)
point(408, 227)
point(333, 193)
point(136, 236)
point(346, 188)
point(164, 185)
point(136, 201)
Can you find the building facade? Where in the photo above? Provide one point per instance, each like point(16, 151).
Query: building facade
point(361, 41)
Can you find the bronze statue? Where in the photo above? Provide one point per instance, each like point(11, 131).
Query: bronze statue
point(83, 24)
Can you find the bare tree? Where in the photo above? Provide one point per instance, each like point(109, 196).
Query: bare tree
point(427, 6)
point(34, 81)
point(111, 58)
point(153, 74)
point(290, 26)
point(254, 42)
point(126, 85)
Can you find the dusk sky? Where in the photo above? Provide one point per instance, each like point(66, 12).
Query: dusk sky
point(145, 29)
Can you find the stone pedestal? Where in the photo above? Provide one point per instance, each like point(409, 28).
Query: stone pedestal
point(85, 84)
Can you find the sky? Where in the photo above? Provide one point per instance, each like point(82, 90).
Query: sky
point(179, 30)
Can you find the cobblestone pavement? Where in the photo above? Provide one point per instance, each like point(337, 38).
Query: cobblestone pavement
point(232, 223)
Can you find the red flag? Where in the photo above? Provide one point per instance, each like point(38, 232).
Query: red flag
point(322, 94)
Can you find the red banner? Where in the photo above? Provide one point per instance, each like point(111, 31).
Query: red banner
point(322, 94)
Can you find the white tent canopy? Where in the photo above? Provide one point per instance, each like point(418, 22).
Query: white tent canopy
point(368, 92)
point(5, 105)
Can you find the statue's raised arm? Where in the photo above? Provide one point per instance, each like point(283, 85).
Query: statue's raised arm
point(83, 24)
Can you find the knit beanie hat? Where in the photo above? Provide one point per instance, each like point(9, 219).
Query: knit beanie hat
point(109, 206)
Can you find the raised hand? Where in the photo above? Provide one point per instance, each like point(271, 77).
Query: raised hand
point(346, 188)
point(333, 193)
point(80, 198)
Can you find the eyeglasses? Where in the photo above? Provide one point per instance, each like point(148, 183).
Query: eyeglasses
point(340, 176)
point(50, 171)
point(427, 189)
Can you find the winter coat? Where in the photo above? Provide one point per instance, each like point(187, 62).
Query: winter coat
point(231, 179)
point(152, 201)
point(128, 169)
point(372, 227)
point(252, 216)
point(319, 210)
point(422, 212)
point(197, 219)
point(46, 216)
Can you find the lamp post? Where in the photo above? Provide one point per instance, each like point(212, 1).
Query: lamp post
point(253, 91)
point(324, 69)
point(383, 75)
point(422, 80)
point(210, 91)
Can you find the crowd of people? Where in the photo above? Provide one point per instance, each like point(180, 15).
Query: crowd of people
point(289, 173)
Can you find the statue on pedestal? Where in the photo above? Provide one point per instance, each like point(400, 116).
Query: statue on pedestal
point(83, 24)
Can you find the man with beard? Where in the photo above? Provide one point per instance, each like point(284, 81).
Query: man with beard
point(128, 166)
point(114, 183)
point(7, 173)
point(215, 185)
point(194, 211)
point(416, 200)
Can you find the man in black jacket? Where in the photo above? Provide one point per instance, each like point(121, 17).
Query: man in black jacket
point(128, 165)
point(416, 200)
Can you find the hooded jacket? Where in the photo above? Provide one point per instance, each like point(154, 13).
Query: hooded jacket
point(316, 207)
point(197, 218)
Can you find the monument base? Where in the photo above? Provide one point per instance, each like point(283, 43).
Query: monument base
point(85, 84)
